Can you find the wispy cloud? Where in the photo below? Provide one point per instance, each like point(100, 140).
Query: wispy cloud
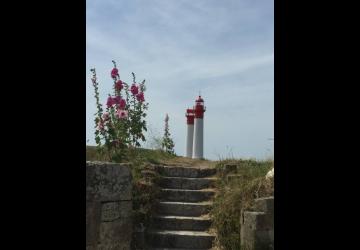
point(224, 49)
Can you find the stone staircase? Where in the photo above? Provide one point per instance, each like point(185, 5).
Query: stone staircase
point(181, 220)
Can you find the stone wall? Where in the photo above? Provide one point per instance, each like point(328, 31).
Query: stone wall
point(108, 206)
point(257, 227)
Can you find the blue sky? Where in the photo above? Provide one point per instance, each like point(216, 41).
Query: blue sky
point(225, 49)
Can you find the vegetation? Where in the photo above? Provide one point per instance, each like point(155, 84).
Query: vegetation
point(237, 190)
point(156, 156)
point(167, 143)
point(121, 127)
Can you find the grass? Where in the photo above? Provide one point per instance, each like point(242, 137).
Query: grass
point(236, 195)
point(149, 156)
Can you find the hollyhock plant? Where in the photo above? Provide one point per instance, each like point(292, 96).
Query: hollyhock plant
point(122, 104)
point(116, 99)
point(119, 85)
point(140, 97)
point(134, 89)
point(101, 125)
point(167, 143)
point(122, 114)
point(114, 73)
point(93, 81)
point(106, 116)
point(109, 102)
point(124, 119)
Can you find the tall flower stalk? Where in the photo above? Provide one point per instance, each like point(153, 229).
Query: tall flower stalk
point(123, 123)
point(168, 143)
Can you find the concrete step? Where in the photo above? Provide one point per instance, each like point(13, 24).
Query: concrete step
point(171, 222)
point(188, 172)
point(187, 183)
point(183, 208)
point(186, 195)
point(180, 239)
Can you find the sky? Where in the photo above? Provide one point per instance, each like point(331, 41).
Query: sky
point(225, 49)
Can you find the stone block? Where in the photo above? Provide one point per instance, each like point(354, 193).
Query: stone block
point(265, 204)
point(257, 228)
point(111, 211)
point(108, 206)
point(257, 220)
point(108, 181)
point(93, 214)
point(115, 232)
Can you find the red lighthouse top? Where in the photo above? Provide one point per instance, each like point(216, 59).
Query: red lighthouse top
point(199, 108)
point(199, 99)
point(190, 116)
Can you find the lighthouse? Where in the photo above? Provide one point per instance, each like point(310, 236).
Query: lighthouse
point(198, 138)
point(190, 132)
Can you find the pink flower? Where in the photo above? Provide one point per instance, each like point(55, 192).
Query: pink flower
point(140, 97)
point(122, 114)
point(114, 73)
point(106, 116)
point(134, 89)
point(118, 85)
point(122, 104)
point(109, 102)
point(101, 125)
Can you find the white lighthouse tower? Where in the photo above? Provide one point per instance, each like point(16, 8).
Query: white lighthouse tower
point(190, 132)
point(198, 141)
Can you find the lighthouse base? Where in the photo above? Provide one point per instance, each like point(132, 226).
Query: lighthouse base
point(198, 139)
point(189, 140)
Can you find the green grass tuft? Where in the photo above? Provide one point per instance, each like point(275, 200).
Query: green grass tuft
point(236, 195)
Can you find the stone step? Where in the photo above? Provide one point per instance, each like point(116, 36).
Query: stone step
point(186, 195)
point(183, 208)
point(171, 222)
point(180, 239)
point(186, 183)
point(189, 172)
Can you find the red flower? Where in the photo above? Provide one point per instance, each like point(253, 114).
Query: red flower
point(116, 100)
point(109, 102)
point(134, 89)
point(122, 104)
point(118, 85)
point(140, 97)
point(114, 73)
